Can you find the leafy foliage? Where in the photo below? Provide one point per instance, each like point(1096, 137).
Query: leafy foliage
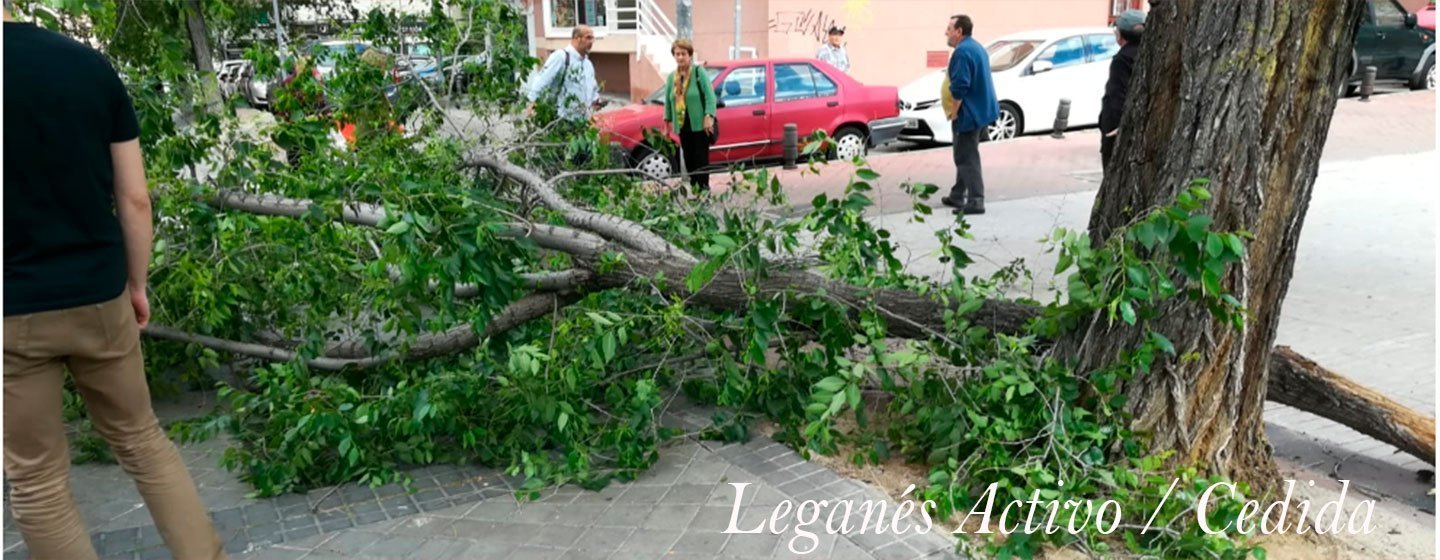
point(581, 397)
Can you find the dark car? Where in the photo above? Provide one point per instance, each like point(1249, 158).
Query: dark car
point(1391, 40)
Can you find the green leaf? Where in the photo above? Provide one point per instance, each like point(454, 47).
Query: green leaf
point(564, 420)
point(1079, 291)
point(1196, 225)
point(1214, 246)
point(1064, 262)
point(867, 174)
point(1127, 312)
point(836, 402)
point(1165, 344)
point(399, 228)
point(830, 384)
point(607, 345)
point(1145, 234)
point(725, 241)
point(701, 275)
point(1137, 275)
point(1236, 246)
point(969, 307)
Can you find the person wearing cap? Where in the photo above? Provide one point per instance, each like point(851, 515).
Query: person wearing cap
point(833, 52)
point(1129, 28)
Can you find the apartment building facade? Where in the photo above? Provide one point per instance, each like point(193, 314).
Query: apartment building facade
point(890, 42)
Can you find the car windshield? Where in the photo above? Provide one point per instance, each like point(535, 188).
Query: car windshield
point(658, 97)
point(326, 55)
point(1005, 55)
point(420, 50)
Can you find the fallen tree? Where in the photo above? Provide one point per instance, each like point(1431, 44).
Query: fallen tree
point(1293, 379)
point(499, 294)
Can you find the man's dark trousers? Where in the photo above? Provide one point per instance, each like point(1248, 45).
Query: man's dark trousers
point(969, 181)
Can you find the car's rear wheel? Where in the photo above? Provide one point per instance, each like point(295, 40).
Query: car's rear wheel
point(1426, 79)
point(1008, 125)
point(653, 164)
point(849, 143)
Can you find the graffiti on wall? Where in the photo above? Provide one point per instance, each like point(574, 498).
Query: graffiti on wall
point(815, 23)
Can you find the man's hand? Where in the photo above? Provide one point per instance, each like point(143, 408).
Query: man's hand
point(709, 124)
point(141, 303)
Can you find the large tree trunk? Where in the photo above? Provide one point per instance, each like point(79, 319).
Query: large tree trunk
point(1240, 92)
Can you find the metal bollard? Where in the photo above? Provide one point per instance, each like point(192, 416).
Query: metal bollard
point(1367, 86)
point(792, 144)
point(1062, 119)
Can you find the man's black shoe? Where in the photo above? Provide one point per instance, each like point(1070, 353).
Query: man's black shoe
point(971, 208)
point(955, 203)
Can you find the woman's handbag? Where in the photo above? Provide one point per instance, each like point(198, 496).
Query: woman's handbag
point(714, 134)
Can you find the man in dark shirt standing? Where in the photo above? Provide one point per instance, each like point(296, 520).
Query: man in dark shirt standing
point(968, 96)
point(1129, 28)
point(77, 251)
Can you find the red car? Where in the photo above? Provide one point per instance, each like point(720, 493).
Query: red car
point(1425, 18)
point(754, 100)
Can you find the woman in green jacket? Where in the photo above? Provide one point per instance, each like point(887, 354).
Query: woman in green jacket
point(690, 108)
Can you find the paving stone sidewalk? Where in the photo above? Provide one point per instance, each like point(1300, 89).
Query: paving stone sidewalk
point(680, 508)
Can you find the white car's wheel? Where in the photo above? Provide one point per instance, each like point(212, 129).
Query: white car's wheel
point(849, 143)
point(1007, 125)
point(1430, 76)
point(655, 165)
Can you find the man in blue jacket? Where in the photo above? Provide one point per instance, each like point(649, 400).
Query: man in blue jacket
point(969, 102)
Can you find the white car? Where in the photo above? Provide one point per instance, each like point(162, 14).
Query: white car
point(1032, 72)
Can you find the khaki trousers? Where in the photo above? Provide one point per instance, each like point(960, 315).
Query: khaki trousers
point(100, 345)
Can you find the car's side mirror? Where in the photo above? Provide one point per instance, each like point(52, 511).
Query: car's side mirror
point(1411, 20)
point(1041, 66)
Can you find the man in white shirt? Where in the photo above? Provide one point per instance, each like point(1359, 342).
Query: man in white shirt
point(569, 77)
point(833, 52)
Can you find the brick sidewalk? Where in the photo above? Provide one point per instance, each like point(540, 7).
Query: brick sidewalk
point(679, 508)
point(1030, 166)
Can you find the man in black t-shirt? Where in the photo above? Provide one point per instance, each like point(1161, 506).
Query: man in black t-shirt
point(77, 249)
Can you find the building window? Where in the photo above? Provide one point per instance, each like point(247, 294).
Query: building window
point(569, 13)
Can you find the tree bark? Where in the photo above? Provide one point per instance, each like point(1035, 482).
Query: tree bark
point(1303, 384)
point(1240, 92)
point(354, 355)
point(200, 46)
